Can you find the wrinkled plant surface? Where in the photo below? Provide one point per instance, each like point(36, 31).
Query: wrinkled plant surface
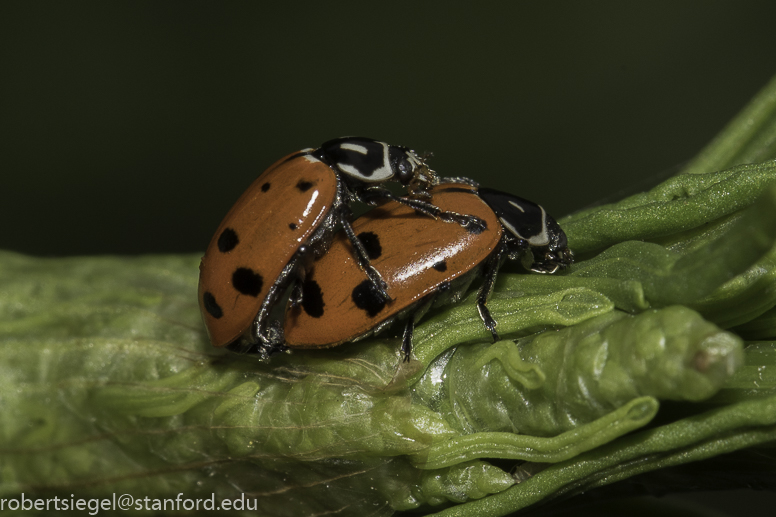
point(109, 385)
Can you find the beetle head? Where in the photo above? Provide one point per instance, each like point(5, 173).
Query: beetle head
point(412, 171)
point(532, 234)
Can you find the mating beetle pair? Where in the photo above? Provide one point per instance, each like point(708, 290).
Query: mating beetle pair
point(399, 262)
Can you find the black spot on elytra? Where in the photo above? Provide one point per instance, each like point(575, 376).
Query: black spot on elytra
point(312, 298)
point(371, 244)
point(227, 240)
point(265, 187)
point(247, 282)
point(292, 226)
point(440, 266)
point(304, 186)
point(367, 298)
point(211, 306)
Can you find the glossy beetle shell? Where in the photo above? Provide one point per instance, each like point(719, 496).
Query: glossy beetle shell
point(258, 238)
point(415, 255)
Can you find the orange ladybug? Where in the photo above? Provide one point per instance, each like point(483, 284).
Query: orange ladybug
point(288, 216)
point(423, 263)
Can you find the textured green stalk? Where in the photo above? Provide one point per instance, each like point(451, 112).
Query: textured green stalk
point(553, 382)
point(761, 327)
point(715, 432)
point(669, 277)
point(679, 204)
point(462, 323)
point(634, 414)
point(108, 383)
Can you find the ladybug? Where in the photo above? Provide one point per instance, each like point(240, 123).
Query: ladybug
point(423, 262)
point(288, 216)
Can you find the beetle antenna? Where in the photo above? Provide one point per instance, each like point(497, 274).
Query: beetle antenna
point(424, 177)
point(429, 171)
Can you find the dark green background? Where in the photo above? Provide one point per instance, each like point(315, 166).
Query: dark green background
point(131, 127)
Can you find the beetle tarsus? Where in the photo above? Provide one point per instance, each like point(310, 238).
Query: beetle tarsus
point(487, 319)
point(470, 223)
point(406, 341)
point(491, 271)
point(295, 299)
point(270, 340)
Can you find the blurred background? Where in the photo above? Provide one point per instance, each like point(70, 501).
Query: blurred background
point(132, 127)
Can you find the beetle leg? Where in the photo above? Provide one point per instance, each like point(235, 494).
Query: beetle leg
point(491, 271)
point(295, 299)
point(406, 340)
point(487, 319)
point(274, 338)
point(267, 340)
point(363, 260)
point(458, 179)
point(470, 222)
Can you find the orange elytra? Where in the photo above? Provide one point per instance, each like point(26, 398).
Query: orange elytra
point(423, 263)
point(287, 217)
